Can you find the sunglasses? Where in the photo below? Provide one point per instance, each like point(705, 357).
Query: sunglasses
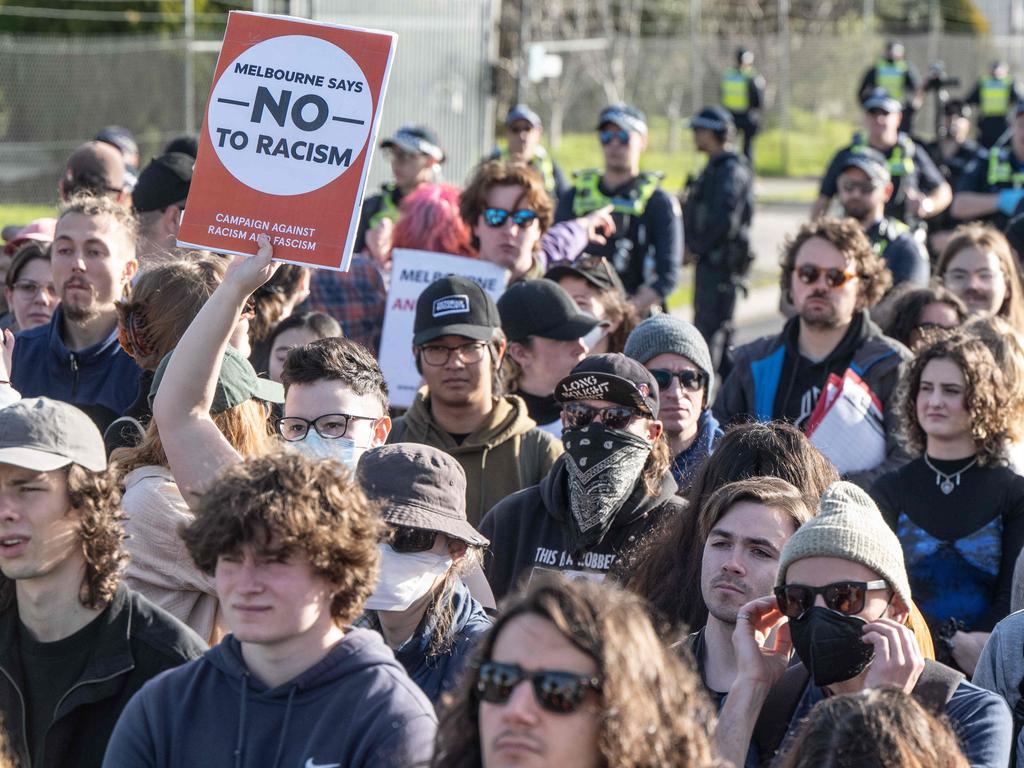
point(579, 416)
point(808, 274)
point(691, 380)
point(495, 217)
point(558, 692)
point(862, 187)
point(843, 596)
point(408, 540)
point(607, 137)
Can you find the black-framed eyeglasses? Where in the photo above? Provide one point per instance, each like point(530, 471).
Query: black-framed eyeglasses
point(521, 217)
point(330, 426)
point(863, 187)
point(843, 596)
point(555, 691)
point(438, 354)
point(607, 137)
point(580, 415)
point(809, 274)
point(691, 380)
point(406, 540)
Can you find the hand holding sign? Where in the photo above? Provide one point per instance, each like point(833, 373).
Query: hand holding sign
point(247, 273)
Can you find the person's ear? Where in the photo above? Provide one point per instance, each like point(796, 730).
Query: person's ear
point(381, 430)
point(654, 429)
point(456, 548)
point(518, 353)
point(130, 268)
point(889, 190)
point(643, 143)
point(898, 611)
point(170, 219)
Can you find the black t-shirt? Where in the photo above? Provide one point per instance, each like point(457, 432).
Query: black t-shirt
point(49, 671)
point(542, 410)
point(960, 548)
point(802, 379)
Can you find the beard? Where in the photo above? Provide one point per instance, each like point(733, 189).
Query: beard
point(823, 316)
point(79, 312)
point(857, 210)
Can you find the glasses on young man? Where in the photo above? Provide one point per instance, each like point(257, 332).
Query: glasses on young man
point(607, 137)
point(863, 187)
point(496, 217)
point(809, 274)
point(691, 380)
point(406, 540)
point(843, 596)
point(555, 691)
point(438, 354)
point(580, 415)
point(330, 426)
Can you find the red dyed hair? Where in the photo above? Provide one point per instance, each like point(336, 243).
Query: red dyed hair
point(430, 221)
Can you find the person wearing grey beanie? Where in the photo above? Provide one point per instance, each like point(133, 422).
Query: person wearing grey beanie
point(842, 602)
point(675, 353)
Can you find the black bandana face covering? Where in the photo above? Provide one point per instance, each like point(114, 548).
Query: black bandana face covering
point(830, 645)
point(604, 466)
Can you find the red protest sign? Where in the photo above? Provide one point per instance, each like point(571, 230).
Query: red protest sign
point(290, 127)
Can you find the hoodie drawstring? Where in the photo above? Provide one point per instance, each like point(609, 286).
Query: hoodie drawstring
point(241, 721)
point(483, 484)
point(284, 726)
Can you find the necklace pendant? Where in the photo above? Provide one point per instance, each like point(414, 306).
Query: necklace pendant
point(946, 486)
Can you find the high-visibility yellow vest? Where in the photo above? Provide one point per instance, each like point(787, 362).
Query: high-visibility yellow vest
point(736, 90)
point(388, 206)
point(589, 197)
point(540, 162)
point(995, 96)
point(901, 159)
point(892, 76)
point(1000, 169)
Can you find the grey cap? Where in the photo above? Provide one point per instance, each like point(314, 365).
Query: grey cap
point(879, 98)
point(522, 112)
point(420, 487)
point(665, 333)
point(869, 160)
point(42, 435)
point(627, 117)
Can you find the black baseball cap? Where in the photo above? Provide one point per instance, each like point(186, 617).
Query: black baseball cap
point(596, 270)
point(454, 306)
point(715, 119)
point(871, 161)
point(542, 308)
point(416, 139)
point(613, 377)
point(165, 181)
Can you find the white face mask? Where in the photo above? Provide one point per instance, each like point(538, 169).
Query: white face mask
point(405, 578)
point(594, 336)
point(340, 449)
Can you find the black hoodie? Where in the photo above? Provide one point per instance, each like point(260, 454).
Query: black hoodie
point(529, 531)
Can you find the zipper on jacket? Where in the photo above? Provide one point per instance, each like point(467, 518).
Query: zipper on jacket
point(73, 362)
point(24, 725)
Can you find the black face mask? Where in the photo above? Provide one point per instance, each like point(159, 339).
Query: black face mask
point(830, 645)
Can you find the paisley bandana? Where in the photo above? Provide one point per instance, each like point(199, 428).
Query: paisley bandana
point(604, 466)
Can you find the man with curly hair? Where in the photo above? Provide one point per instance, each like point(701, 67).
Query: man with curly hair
point(832, 277)
point(292, 545)
point(75, 643)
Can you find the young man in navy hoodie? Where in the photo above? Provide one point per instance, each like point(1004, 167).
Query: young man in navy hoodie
point(292, 546)
point(76, 357)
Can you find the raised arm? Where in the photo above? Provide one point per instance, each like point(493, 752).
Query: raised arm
point(195, 448)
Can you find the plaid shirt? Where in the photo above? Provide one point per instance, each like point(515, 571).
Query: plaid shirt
point(355, 299)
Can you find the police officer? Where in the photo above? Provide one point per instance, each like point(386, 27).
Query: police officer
point(864, 187)
point(952, 151)
point(743, 96)
point(647, 246)
point(523, 131)
point(919, 191)
point(894, 74)
point(717, 213)
point(416, 157)
point(994, 96)
point(993, 184)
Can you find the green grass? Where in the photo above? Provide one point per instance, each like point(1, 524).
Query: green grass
point(23, 214)
point(811, 143)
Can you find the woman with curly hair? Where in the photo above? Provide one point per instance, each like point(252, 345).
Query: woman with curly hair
point(574, 674)
point(878, 727)
point(957, 508)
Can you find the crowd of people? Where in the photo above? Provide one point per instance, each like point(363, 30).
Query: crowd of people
point(221, 545)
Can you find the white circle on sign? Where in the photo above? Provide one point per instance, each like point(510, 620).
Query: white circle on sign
point(290, 115)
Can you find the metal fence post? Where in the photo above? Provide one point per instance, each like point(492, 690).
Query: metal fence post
point(696, 75)
point(190, 68)
point(784, 85)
